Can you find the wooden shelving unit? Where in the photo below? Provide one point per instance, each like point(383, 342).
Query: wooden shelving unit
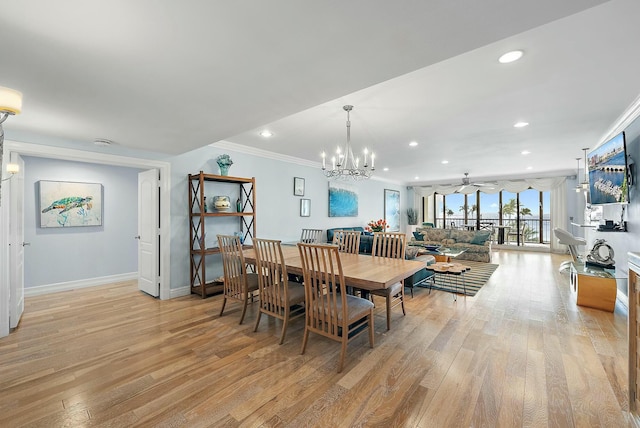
point(198, 219)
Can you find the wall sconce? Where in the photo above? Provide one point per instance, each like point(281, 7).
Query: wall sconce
point(12, 169)
point(10, 104)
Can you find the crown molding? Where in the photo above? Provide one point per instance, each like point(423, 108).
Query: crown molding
point(222, 144)
point(630, 114)
point(265, 154)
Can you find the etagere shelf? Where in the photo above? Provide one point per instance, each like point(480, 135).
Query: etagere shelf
point(198, 216)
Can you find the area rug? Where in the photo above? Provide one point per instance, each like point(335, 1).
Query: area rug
point(474, 279)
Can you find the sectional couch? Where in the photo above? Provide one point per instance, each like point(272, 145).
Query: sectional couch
point(476, 243)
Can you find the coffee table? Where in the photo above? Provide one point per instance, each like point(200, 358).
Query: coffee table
point(442, 254)
point(447, 271)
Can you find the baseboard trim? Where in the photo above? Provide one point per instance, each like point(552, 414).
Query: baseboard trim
point(81, 283)
point(179, 292)
point(624, 300)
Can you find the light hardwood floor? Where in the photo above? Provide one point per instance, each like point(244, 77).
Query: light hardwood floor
point(519, 353)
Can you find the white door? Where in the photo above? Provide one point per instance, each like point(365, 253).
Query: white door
point(148, 232)
point(16, 253)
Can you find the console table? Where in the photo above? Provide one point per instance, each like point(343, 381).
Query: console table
point(594, 287)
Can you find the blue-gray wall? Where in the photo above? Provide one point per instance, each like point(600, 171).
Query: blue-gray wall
point(622, 242)
point(278, 210)
point(57, 255)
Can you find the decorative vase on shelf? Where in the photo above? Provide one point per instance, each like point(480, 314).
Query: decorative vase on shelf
point(221, 203)
point(224, 162)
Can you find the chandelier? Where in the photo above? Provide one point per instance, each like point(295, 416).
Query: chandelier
point(344, 164)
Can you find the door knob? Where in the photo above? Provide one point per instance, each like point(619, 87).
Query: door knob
point(24, 244)
point(137, 237)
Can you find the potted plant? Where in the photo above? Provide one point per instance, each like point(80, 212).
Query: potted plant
point(412, 216)
point(412, 221)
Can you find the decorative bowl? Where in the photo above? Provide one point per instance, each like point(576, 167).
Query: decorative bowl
point(221, 203)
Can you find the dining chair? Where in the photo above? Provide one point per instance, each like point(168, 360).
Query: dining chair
point(238, 284)
point(279, 297)
point(518, 233)
point(391, 245)
point(348, 241)
point(330, 312)
point(311, 236)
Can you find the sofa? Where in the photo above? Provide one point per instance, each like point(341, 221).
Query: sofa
point(366, 244)
point(476, 243)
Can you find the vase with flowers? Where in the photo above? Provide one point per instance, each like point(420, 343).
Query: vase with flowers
point(224, 162)
point(376, 226)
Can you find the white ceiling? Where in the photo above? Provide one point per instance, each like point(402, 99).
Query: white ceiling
point(170, 77)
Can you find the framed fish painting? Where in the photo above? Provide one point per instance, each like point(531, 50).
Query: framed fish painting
point(70, 204)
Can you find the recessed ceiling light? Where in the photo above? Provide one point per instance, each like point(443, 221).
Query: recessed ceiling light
point(529, 167)
point(101, 142)
point(413, 143)
point(525, 152)
point(266, 133)
point(416, 177)
point(444, 162)
point(385, 169)
point(520, 124)
point(510, 57)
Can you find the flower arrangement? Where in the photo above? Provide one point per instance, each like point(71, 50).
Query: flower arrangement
point(376, 226)
point(224, 160)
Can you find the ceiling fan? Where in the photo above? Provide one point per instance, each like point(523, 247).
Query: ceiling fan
point(466, 182)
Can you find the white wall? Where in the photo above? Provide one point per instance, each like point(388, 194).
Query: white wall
point(58, 255)
point(278, 210)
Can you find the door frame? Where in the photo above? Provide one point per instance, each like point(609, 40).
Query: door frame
point(51, 152)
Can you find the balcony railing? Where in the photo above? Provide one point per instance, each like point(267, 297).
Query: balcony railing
point(533, 231)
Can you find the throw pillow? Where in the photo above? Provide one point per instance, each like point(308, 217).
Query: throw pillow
point(411, 252)
point(419, 236)
point(480, 237)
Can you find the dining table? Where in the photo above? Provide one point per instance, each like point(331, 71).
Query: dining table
point(360, 270)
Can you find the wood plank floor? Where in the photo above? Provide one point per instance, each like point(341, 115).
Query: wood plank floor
point(519, 353)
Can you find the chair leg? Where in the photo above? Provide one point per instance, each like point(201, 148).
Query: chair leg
point(285, 323)
point(244, 309)
point(371, 329)
point(389, 296)
point(343, 350)
point(224, 302)
point(255, 328)
point(305, 337)
point(402, 303)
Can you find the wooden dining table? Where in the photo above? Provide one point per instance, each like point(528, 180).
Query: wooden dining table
point(360, 270)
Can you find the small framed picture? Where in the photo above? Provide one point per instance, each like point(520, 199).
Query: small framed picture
point(298, 186)
point(305, 207)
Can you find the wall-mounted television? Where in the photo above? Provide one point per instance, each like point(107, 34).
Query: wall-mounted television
point(607, 165)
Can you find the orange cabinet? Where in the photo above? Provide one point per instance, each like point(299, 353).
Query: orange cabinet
point(594, 287)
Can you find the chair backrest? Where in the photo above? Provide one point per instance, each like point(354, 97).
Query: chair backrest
point(272, 274)
point(569, 240)
point(311, 236)
point(322, 272)
point(235, 269)
point(348, 241)
point(389, 244)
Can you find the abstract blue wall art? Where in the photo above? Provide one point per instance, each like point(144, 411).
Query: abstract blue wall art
point(343, 200)
point(392, 210)
point(69, 204)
